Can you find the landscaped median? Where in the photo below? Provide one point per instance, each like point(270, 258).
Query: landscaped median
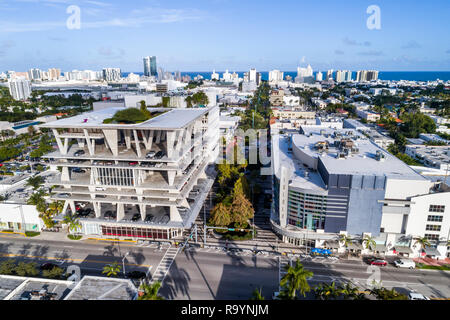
point(28, 234)
point(445, 267)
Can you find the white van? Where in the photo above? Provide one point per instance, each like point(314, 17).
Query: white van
point(405, 263)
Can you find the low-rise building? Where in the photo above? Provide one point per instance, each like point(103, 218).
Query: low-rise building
point(379, 139)
point(432, 156)
point(368, 115)
point(329, 182)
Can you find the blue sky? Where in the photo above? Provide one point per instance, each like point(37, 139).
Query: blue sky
point(201, 35)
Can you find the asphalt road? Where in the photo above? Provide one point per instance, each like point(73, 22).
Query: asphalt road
point(197, 274)
point(210, 275)
point(90, 256)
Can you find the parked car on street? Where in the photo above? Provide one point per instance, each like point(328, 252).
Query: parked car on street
point(417, 296)
point(78, 153)
point(405, 263)
point(379, 262)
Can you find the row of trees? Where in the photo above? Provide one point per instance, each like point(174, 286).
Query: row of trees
point(294, 284)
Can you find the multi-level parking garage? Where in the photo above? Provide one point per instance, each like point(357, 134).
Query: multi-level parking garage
point(144, 180)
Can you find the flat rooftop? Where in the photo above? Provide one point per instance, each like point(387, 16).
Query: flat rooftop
point(300, 176)
point(172, 119)
point(24, 288)
point(102, 288)
point(361, 163)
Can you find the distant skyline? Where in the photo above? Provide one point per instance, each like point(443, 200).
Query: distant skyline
point(202, 35)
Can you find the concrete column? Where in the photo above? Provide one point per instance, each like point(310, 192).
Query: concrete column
point(65, 174)
point(127, 134)
point(120, 211)
point(92, 191)
point(170, 143)
point(142, 207)
point(66, 205)
point(136, 143)
point(185, 203)
point(147, 136)
point(171, 177)
point(62, 146)
point(88, 142)
point(111, 138)
point(97, 209)
point(158, 136)
point(175, 215)
point(72, 206)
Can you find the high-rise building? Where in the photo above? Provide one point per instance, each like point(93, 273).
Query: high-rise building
point(227, 76)
point(304, 74)
point(319, 76)
point(35, 74)
point(215, 75)
point(20, 89)
point(112, 74)
point(329, 75)
point(54, 74)
point(150, 66)
point(276, 76)
point(343, 75)
point(252, 75)
point(366, 75)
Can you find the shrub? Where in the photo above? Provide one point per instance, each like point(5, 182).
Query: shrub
point(7, 267)
point(26, 269)
point(129, 115)
point(74, 237)
point(55, 273)
point(32, 233)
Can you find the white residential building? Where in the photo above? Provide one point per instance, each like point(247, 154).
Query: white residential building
point(20, 89)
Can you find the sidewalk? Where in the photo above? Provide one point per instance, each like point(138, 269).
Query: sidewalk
point(432, 262)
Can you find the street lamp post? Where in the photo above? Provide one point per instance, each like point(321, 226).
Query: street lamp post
point(123, 263)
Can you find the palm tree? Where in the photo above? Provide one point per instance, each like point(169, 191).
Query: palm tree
point(348, 291)
point(112, 270)
point(369, 242)
point(151, 291)
point(325, 291)
point(295, 279)
point(345, 240)
point(55, 208)
point(257, 295)
point(73, 223)
point(422, 241)
point(37, 199)
point(35, 182)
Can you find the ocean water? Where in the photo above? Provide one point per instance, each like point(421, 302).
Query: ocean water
point(383, 75)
